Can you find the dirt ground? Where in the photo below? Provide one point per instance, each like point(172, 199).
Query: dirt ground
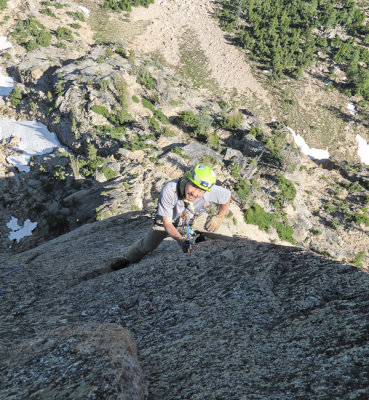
point(168, 23)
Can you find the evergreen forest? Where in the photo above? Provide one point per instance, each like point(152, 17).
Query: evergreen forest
point(286, 36)
point(126, 5)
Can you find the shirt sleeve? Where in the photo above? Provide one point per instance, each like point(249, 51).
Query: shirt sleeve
point(167, 200)
point(218, 195)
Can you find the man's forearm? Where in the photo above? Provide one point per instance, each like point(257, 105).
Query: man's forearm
point(223, 208)
point(171, 229)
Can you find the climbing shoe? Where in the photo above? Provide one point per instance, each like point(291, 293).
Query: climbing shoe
point(119, 263)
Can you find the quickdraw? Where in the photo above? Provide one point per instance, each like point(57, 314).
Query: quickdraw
point(191, 237)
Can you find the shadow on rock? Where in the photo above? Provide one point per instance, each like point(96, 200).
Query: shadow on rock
point(233, 320)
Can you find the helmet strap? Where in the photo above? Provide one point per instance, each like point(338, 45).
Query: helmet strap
point(181, 186)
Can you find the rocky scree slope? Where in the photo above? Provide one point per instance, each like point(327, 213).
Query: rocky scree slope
point(233, 320)
point(132, 123)
point(132, 126)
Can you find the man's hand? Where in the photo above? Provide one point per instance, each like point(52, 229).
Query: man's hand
point(214, 223)
point(186, 245)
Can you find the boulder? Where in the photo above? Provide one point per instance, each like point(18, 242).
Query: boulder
point(34, 64)
point(251, 147)
point(83, 361)
point(196, 151)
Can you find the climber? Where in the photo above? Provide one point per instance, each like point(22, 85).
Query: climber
point(181, 212)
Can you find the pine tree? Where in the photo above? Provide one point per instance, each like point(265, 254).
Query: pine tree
point(363, 83)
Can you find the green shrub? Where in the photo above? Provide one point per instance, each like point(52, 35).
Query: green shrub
point(137, 143)
point(359, 218)
point(108, 173)
point(92, 152)
point(229, 214)
point(88, 167)
point(146, 79)
point(207, 160)
point(121, 51)
point(59, 172)
point(255, 131)
point(176, 150)
point(234, 168)
point(213, 140)
point(161, 116)
point(116, 133)
point(74, 25)
point(77, 16)
point(125, 5)
point(232, 121)
point(64, 34)
point(167, 132)
point(284, 231)
point(2, 4)
point(102, 85)
point(109, 52)
point(276, 145)
point(197, 125)
point(102, 110)
point(61, 45)
point(135, 99)
point(242, 188)
point(287, 192)
point(154, 125)
point(256, 215)
point(354, 187)
point(120, 117)
point(47, 11)
point(147, 104)
point(358, 259)
point(15, 96)
point(30, 34)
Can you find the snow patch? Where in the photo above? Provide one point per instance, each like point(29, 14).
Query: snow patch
point(6, 84)
point(35, 139)
point(351, 109)
point(85, 10)
point(315, 154)
point(11, 4)
point(363, 150)
point(19, 232)
point(4, 44)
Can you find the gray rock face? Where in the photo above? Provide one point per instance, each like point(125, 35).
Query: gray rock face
point(34, 64)
point(197, 151)
point(88, 361)
point(240, 320)
point(251, 147)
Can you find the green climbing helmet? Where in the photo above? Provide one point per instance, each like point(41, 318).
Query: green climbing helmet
point(202, 176)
